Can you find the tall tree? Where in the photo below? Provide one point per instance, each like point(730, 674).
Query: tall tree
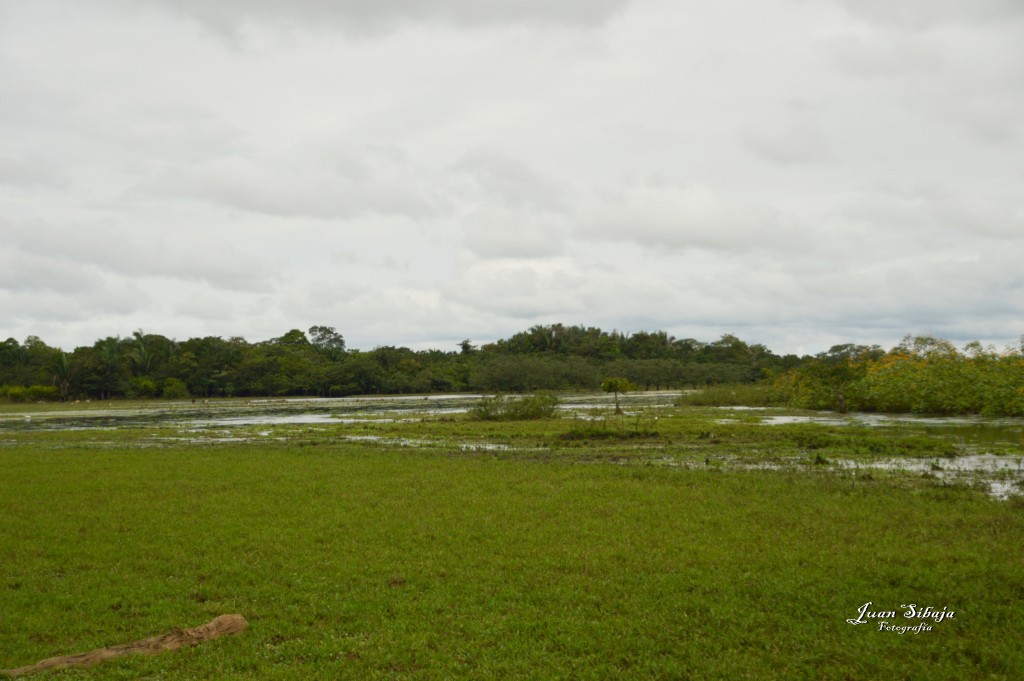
point(328, 342)
point(142, 354)
point(63, 371)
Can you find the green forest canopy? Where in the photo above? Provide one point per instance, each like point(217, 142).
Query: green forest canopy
point(544, 357)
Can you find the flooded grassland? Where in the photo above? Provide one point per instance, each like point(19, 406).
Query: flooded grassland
point(985, 453)
point(402, 538)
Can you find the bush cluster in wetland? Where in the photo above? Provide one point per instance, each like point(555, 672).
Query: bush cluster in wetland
point(921, 375)
point(508, 408)
point(763, 394)
point(617, 427)
point(31, 393)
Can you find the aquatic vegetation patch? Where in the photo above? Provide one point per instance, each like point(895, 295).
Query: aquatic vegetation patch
point(507, 408)
point(734, 394)
point(636, 426)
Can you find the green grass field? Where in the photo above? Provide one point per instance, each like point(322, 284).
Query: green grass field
point(370, 560)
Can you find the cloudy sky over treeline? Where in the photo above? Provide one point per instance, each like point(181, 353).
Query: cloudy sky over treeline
point(416, 172)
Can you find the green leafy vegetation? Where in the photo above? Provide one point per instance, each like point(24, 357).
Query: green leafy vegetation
point(507, 408)
point(617, 385)
point(764, 394)
point(618, 427)
point(319, 363)
point(921, 375)
point(407, 554)
point(32, 393)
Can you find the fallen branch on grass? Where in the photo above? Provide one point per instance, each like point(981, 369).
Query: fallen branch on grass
point(225, 625)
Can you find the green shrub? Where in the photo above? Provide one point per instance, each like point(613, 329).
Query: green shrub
point(734, 395)
point(175, 389)
point(922, 375)
point(33, 393)
point(142, 386)
point(526, 408)
point(15, 393)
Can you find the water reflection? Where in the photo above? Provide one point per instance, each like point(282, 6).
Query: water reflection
point(965, 429)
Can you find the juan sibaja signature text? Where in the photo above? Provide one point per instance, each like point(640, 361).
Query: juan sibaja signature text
point(885, 618)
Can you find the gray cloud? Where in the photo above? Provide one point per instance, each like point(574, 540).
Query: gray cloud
point(205, 306)
point(796, 137)
point(994, 209)
point(922, 14)
point(230, 15)
point(683, 217)
point(31, 302)
point(494, 232)
point(887, 54)
point(31, 173)
point(931, 216)
point(64, 257)
point(497, 177)
point(306, 184)
point(22, 272)
point(508, 209)
point(408, 171)
point(520, 290)
point(351, 259)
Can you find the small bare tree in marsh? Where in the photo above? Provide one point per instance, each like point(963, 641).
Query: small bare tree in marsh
point(616, 385)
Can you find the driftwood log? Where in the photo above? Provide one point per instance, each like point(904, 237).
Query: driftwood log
point(225, 625)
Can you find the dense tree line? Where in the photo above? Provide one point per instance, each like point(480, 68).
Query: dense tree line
point(317, 363)
point(921, 375)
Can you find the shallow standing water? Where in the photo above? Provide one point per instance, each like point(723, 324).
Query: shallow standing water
point(225, 421)
point(966, 429)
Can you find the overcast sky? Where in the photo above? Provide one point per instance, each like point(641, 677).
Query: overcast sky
point(416, 172)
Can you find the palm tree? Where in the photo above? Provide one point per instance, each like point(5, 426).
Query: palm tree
point(141, 355)
point(63, 372)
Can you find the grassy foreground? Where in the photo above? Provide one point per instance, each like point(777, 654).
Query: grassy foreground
point(364, 562)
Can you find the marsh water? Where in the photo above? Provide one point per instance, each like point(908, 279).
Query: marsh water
point(992, 448)
point(967, 429)
point(200, 414)
point(295, 411)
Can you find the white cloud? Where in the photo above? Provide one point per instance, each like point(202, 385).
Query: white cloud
point(924, 14)
point(888, 54)
point(31, 173)
point(796, 136)
point(498, 232)
point(520, 290)
point(231, 15)
point(658, 216)
point(797, 173)
point(184, 253)
point(300, 185)
point(206, 306)
point(494, 177)
point(23, 272)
